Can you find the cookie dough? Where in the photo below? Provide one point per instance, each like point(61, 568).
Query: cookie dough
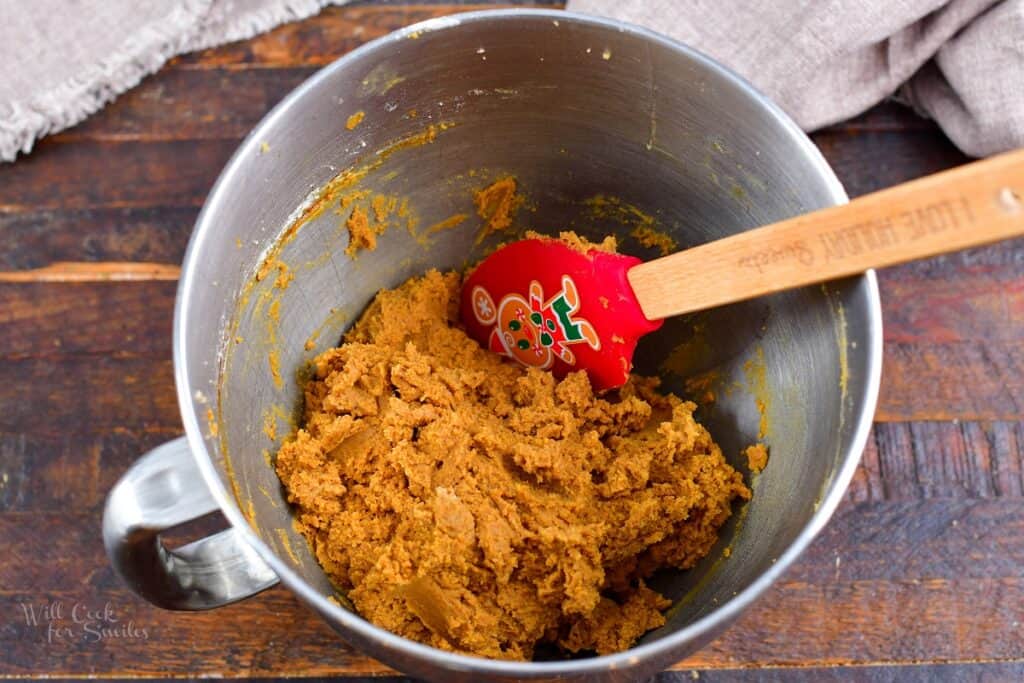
point(757, 457)
point(478, 506)
point(360, 234)
point(496, 205)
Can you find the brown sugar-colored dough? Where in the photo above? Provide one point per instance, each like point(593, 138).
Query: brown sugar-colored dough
point(360, 234)
point(496, 204)
point(577, 243)
point(757, 457)
point(478, 506)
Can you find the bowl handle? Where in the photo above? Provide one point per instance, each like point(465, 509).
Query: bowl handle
point(162, 490)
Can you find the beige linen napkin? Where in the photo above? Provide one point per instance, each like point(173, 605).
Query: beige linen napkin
point(959, 61)
point(61, 60)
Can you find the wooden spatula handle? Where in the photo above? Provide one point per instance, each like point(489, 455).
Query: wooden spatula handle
point(968, 206)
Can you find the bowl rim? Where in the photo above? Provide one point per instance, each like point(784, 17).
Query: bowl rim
point(696, 632)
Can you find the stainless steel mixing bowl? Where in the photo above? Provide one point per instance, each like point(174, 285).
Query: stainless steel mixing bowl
point(607, 127)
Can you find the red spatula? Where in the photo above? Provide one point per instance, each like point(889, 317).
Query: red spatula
point(547, 305)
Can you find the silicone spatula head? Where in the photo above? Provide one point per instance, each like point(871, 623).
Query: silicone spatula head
point(549, 306)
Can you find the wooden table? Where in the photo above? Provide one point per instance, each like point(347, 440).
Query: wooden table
point(919, 576)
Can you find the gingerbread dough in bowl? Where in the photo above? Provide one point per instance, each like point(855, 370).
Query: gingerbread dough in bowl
point(467, 502)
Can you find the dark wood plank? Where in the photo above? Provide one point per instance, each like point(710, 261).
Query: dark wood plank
point(84, 392)
point(71, 471)
point(954, 333)
point(974, 295)
point(885, 116)
point(889, 583)
point(865, 622)
point(957, 460)
point(960, 672)
point(50, 396)
point(982, 380)
point(870, 160)
point(265, 636)
point(61, 321)
point(319, 40)
point(112, 174)
point(178, 103)
point(936, 539)
point(38, 238)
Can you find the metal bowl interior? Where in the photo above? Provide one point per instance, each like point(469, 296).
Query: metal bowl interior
point(607, 129)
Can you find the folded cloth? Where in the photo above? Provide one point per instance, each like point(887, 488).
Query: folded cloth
point(64, 60)
point(960, 62)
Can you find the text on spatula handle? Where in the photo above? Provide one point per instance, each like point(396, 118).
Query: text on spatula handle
point(866, 236)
